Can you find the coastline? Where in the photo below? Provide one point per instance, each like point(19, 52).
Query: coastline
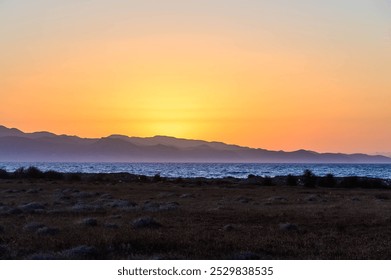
point(208, 170)
point(307, 179)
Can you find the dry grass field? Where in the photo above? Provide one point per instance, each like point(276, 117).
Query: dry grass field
point(187, 219)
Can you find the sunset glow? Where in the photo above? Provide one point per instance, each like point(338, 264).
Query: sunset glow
point(280, 75)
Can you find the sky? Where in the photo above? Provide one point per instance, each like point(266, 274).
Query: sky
point(279, 75)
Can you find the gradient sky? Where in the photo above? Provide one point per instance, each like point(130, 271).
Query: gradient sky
point(281, 74)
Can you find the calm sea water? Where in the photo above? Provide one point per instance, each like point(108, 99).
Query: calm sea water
point(211, 170)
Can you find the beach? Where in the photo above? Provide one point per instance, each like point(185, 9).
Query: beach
point(124, 216)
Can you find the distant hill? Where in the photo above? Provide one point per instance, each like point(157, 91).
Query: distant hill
point(15, 145)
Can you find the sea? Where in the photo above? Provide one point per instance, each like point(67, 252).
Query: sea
point(210, 170)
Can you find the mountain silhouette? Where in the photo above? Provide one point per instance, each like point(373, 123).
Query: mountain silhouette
point(15, 145)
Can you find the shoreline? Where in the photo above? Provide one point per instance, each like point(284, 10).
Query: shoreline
point(308, 179)
point(212, 171)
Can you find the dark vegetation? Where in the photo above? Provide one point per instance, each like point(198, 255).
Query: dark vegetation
point(291, 180)
point(33, 172)
point(327, 181)
point(307, 179)
point(4, 174)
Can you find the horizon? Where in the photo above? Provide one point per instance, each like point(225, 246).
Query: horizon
point(283, 75)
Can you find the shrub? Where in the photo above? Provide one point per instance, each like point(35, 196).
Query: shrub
point(157, 177)
point(371, 183)
point(356, 182)
point(267, 181)
point(178, 180)
point(33, 172)
point(53, 175)
point(291, 180)
point(377, 183)
point(73, 177)
point(19, 173)
point(4, 174)
point(143, 178)
point(98, 178)
point(350, 182)
point(309, 179)
point(327, 181)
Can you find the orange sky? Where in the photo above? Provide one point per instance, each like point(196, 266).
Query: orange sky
point(283, 75)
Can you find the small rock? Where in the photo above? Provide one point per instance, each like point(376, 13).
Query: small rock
point(243, 200)
point(46, 231)
point(9, 210)
point(4, 250)
point(169, 206)
point(166, 194)
point(32, 191)
point(187, 195)
point(111, 226)
point(80, 252)
point(115, 217)
point(32, 207)
point(63, 197)
point(119, 203)
point(106, 196)
point(246, 256)
point(228, 228)
point(90, 222)
point(14, 191)
point(277, 199)
point(145, 222)
point(288, 227)
point(312, 198)
point(33, 226)
point(43, 256)
point(83, 194)
point(151, 206)
point(84, 208)
point(67, 190)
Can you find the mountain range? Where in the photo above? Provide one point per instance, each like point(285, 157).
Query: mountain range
point(16, 145)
